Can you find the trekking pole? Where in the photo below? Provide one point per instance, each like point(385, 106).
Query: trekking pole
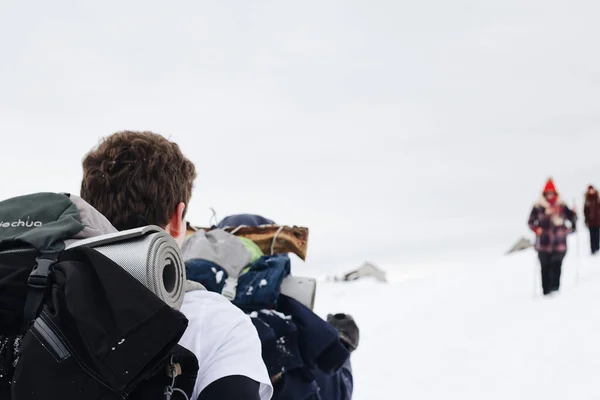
point(535, 278)
point(536, 273)
point(577, 246)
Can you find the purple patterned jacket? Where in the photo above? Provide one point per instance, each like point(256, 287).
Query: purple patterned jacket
point(554, 230)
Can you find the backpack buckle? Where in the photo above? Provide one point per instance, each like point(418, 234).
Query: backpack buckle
point(38, 278)
point(230, 288)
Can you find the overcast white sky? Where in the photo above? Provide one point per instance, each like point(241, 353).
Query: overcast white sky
point(395, 130)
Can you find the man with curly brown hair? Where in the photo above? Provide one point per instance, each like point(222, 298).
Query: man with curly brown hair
point(141, 178)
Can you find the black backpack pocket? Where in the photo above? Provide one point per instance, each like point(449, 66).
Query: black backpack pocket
point(50, 370)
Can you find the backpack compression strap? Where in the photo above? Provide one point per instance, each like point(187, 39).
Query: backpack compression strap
point(38, 286)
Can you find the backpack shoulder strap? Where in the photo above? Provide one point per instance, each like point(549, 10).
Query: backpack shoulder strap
point(38, 283)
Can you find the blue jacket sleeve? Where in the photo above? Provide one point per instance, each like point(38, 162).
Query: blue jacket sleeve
point(337, 385)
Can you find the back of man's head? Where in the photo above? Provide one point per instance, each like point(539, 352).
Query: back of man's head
point(137, 179)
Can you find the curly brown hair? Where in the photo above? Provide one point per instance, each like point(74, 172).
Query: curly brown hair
point(137, 179)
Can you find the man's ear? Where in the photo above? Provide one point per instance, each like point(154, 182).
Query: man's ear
point(176, 226)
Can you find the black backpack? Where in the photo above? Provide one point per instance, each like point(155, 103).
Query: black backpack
point(74, 324)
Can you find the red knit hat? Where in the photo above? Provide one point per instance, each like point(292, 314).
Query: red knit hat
point(550, 186)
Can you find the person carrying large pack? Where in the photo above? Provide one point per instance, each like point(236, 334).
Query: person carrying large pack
point(245, 258)
point(73, 323)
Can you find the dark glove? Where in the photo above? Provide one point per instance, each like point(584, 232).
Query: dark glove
point(347, 328)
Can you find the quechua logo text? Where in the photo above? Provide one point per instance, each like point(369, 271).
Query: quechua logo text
point(20, 224)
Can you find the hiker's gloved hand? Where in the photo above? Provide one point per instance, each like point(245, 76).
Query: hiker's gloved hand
point(347, 328)
point(538, 231)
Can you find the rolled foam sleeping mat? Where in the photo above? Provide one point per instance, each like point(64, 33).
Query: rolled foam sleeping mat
point(150, 255)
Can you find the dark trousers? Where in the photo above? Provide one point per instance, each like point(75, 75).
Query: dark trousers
point(551, 270)
point(595, 238)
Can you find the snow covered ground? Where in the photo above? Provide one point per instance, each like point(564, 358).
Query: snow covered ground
point(475, 331)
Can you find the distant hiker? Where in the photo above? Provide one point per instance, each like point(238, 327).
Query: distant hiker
point(547, 220)
point(592, 217)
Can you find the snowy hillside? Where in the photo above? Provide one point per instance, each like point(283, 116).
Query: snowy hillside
point(476, 331)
